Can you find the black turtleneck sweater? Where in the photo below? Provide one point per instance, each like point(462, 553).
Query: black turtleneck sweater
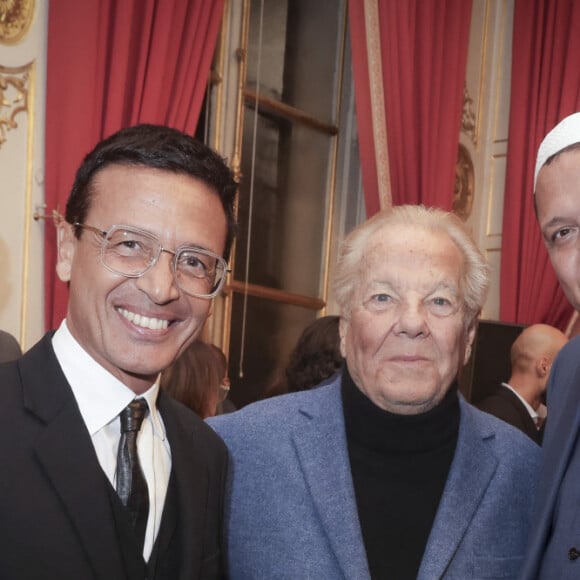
point(399, 466)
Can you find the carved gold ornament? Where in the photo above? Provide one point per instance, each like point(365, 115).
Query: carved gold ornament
point(464, 184)
point(468, 120)
point(14, 89)
point(15, 19)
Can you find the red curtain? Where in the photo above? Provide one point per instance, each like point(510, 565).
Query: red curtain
point(416, 51)
point(545, 88)
point(112, 64)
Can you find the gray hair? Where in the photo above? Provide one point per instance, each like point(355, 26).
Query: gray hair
point(475, 281)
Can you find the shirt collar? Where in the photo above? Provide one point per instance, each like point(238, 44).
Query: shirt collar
point(99, 395)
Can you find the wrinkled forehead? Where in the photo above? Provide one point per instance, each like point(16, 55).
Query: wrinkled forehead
point(415, 241)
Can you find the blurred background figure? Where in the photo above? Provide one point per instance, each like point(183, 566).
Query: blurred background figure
point(315, 358)
point(198, 379)
point(520, 401)
point(9, 347)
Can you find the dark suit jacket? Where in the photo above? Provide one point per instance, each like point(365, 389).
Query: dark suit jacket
point(554, 541)
point(506, 406)
point(57, 514)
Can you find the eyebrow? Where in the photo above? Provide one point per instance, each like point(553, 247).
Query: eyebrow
point(557, 220)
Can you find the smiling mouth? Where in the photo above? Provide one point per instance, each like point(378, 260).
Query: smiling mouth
point(144, 321)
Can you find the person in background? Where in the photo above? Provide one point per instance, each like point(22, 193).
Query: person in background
point(103, 475)
point(518, 401)
point(554, 548)
point(315, 358)
point(198, 378)
point(9, 347)
point(387, 472)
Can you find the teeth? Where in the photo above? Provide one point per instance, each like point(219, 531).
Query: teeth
point(144, 321)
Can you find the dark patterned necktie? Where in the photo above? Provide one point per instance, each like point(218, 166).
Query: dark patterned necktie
point(131, 484)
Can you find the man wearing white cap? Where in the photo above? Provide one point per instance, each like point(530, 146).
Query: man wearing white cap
point(554, 543)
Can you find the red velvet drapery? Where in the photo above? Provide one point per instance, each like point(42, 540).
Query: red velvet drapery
point(409, 62)
point(545, 89)
point(112, 64)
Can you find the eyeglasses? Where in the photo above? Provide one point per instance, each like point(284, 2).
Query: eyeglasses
point(132, 252)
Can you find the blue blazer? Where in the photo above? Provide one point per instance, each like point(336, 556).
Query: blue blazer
point(291, 510)
point(560, 455)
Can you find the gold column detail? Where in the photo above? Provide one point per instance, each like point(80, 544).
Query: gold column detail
point(14, 92)
point(376, 84)
point(15, 20)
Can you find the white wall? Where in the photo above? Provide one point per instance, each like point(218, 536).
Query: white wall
point(488, 84)
point(22, 180)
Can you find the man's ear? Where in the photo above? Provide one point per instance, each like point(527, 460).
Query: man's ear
point(543, 366)
point(66, 244)
point(469, 343)
point(342, 331)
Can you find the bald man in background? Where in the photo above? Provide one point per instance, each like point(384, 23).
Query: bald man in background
point(517, 402)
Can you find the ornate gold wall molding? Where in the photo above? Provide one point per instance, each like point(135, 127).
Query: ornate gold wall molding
point(468, 119)
point(15, 20)
point(14, 96)
point(464, 184)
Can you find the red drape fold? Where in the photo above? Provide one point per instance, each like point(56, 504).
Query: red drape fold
point(423, 56)
point(545, 88)
point(113, 64)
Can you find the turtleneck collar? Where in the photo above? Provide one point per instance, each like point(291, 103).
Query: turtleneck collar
point(376, 429)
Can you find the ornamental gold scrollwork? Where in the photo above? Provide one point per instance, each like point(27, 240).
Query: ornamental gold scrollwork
point(15, 20)
point(468, 119)
point(14, 89)
point(464, 184)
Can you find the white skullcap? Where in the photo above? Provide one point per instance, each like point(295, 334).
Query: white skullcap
point(564, 134)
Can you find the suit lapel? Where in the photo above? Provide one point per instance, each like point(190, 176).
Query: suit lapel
point(190, 472)
point(66, 453)
point(321, 446)
point(472, 468)
point(560, 441)
point(527, 421)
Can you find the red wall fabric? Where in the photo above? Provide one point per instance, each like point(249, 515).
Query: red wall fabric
point(112, 64)
point(424, 46)
point(545, 89)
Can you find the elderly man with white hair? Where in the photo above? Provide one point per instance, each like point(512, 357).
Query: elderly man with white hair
point(554, 547)
point(386, 472)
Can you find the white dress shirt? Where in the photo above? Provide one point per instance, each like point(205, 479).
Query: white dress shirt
point(101, 397)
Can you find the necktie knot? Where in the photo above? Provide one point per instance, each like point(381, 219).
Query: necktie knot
point(132, 415)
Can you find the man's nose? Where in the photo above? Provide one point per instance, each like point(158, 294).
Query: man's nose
point(411, 320)
point(159, 281)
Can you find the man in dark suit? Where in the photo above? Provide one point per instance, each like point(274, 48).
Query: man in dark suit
point(518, 401)
point(553, 551)
point(143, 248)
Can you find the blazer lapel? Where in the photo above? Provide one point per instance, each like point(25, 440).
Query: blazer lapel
point(322, 451)
point(471, 471)
point(66, 453)
point(527, 422)
point(560, 440)
point(189, 465)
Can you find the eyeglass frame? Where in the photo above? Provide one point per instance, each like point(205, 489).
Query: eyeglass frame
point(104, 234)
